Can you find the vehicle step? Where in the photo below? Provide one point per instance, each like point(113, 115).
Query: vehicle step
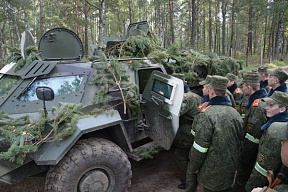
point(135, 154)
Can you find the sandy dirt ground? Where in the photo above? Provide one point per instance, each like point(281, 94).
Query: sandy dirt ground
point(149, 175)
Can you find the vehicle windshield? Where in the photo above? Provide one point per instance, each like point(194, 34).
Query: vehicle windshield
point(60, 86)
point(7, 82)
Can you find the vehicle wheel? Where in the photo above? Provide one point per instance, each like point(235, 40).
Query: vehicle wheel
point(91, 165)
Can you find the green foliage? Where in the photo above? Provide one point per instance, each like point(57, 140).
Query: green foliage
point(136, 46)
point(6, 83)
point(188, 62)
point(26, 137)
point(31, 53)
point(15, 55)
point(111, 74)
point(64, 124)
point(147, 153)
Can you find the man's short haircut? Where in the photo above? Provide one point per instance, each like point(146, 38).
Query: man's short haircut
point(255, 86)
point(219, 92)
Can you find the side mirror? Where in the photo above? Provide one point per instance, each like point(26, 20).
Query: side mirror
point(45, 93)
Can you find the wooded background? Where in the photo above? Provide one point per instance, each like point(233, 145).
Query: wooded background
point(239, 28)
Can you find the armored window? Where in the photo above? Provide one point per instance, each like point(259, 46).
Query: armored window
point(60, 85)
point(143, 77)
point(162, 88)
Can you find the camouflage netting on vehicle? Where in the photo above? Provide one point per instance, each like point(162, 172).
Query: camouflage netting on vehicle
point(25, 136)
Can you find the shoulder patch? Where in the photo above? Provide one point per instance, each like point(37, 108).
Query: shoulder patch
point(200, 106)
point(238, 91)
point(206, 108)
point(249, 127)
point(185, 95)
point(261, 158)
point(256, 102)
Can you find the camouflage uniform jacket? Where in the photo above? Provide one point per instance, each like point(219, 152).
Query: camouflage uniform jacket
point(282, 88)
point(230, 96)
point(264, 85)
point(188, 110)
point(268, 157)
point(202, 105)
point(215, 150)
point(255, 117)
point(237, 94)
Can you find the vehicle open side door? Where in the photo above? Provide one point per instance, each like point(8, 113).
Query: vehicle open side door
point(162, 98)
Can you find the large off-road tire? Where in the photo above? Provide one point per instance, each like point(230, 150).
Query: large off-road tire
point(91, 165)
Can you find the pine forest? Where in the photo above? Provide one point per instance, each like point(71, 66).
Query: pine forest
point(251, 30)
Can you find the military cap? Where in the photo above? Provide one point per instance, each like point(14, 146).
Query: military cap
point(278, 97)
point(231, 77)
point(218, 82)
point(250, 77)
point(206, 81)
point(263, 69)
point(279, 73)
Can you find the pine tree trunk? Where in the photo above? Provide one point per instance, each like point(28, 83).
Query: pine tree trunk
point(171, 21)
point(204, 25)
point(210, 27)
point(130, 15)
point(189, 33)
point(41, 23)
point(198, 34)
point(86, 29)
point(224, 9)
point(102, 23)
point(193, 26)
point(232, 28)
point(250, 28)
point(279, 37)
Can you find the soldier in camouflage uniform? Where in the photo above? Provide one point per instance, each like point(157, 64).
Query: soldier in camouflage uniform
point(276, 80)
point(218, 131)
point(255, 117)
point(269, 157)
point(232, 86)
point(284, 158)
point(263, 76)
point(184, 140)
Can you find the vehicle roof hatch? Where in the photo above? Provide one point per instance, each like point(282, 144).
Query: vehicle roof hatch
point(60, 44)
point(138, 28)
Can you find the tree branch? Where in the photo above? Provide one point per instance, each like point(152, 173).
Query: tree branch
point(94, 5)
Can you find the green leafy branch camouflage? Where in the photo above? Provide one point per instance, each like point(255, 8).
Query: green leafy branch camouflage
point(26, 137)
point(111, 75)
point(31, 53)
point(147, 153)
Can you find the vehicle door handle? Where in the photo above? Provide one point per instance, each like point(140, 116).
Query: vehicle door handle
point(157, 101)
point(167, 117)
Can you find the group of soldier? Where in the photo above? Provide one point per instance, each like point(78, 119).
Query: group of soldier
point(234, 143)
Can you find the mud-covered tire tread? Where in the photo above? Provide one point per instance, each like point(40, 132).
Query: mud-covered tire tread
point(84, 154)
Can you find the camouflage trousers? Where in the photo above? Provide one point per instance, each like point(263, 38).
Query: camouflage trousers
point(242, 176)
point(181, 156)
point(191, 181)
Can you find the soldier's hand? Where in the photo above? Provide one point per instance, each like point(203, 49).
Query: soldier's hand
point(258, 189)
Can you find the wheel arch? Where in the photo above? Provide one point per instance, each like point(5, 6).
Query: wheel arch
point(52, 153)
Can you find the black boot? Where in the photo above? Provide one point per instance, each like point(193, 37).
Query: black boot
point(182, 186)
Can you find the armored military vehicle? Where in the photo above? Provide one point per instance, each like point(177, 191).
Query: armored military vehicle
point(95, 156)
